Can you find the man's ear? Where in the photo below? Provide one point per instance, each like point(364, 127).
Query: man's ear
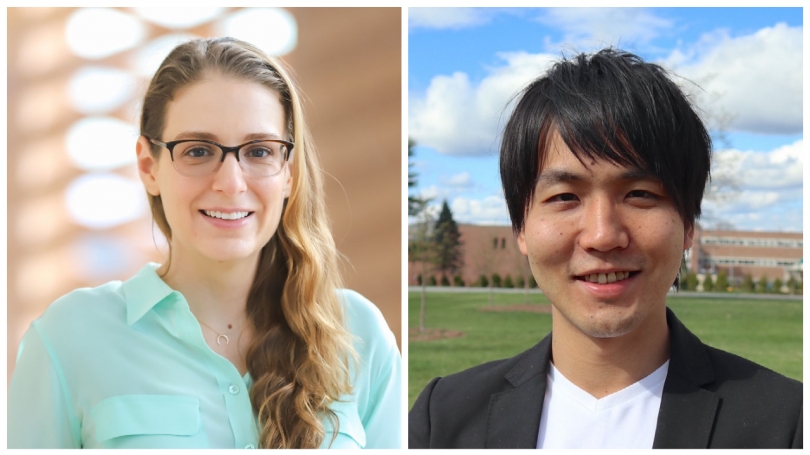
point(147, 166)
point(688, 234)
point(521, 241)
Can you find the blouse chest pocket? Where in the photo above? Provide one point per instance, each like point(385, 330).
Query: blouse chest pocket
point(149, 421)
point(351, 433)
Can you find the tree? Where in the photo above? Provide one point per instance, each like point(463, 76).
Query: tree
point(458, 281)
point(445, 281)
point(777, 286)
point(421, 249)
point(708, 285)
point(691, 281)
point(792, 284)
point(747, 284)
point(483, 281)
point(496, 280)
point(762, 284)
point(532, 282)
point(415, 205)
point(507, 282)
point(447, 240)
point(520, 282)
point(722, 282)
point(432, 281)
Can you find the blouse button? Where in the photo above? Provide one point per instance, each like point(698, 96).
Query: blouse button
point(233, 389)
point(250, 446)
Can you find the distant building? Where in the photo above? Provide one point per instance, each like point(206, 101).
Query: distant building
point(739, 253)
point(493, 249)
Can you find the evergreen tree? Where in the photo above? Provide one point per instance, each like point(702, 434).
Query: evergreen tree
point(445, 281)
point(496, 280)
point(722, 282)
point(708, 284)
point(691, 281)
point(520, 282)
point(507, 282)
point(458, 281)
point(762, 284)
point(777, 286)
point(747, 284)
point(447, 240)
point(432, 281)
point(792, 285)
point(483, 281)
point(414, 203)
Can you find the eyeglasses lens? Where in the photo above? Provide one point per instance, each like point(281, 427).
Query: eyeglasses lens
point(258, 159)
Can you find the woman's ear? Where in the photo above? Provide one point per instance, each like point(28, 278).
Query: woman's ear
point(288, 182)
point(147, 166)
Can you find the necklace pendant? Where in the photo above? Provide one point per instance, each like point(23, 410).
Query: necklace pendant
point(226, 339)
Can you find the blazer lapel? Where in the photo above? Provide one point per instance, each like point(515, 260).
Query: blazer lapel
point(687, 413)
point(514, 415)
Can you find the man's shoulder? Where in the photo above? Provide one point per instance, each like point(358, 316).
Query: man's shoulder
point(739, 375)
point(481, 381)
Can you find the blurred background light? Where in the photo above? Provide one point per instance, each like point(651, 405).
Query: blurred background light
point(151, 55)
point(104, 256)
point(175, 18)
point(98, 89)
point(101, 201)
point(101, 143)
point(96, 33)
point(272, 30)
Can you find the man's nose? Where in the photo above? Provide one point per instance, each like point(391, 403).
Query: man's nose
point(602, 226)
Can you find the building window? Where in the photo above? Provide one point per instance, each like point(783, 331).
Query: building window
point(503, 243)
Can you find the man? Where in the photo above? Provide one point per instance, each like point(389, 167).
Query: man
point(603, 164)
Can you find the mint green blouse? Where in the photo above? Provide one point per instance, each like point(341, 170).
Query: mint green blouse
point(125, 365)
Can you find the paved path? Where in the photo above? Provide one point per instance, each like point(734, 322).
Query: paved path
point(685, 294)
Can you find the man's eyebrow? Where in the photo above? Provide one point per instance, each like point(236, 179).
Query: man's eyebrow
point(213, 137)
point(555, 176)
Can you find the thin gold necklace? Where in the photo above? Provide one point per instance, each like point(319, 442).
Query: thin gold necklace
point(219, 335)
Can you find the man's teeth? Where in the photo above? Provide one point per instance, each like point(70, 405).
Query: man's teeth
point(603, 278)
point(226, 216)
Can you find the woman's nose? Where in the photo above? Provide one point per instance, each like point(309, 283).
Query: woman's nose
point(229, 178)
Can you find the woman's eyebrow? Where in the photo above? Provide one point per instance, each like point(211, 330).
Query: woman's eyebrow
point(213, 137)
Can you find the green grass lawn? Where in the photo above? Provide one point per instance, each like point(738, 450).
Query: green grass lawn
point(768, 332)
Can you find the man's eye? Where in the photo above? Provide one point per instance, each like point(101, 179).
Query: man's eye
point(565, 197)
point(642, 194)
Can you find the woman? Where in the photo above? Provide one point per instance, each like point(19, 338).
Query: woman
point(243, 338)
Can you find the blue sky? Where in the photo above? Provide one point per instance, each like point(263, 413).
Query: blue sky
point(466, 63)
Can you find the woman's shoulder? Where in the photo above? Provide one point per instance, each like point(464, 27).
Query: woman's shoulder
point(86, 305)
point(363, 318)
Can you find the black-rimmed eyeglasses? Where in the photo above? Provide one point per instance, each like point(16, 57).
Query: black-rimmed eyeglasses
point(201, 157)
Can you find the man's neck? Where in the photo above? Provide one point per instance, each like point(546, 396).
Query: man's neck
point(216, 292)
point(602, 366)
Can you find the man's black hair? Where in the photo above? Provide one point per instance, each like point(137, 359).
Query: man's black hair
point(609, 106)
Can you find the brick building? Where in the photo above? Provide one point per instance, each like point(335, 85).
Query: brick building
point(492, 249)
point(739, 253)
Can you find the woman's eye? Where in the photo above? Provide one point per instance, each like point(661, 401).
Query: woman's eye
point(260, 152)
point(197, 152)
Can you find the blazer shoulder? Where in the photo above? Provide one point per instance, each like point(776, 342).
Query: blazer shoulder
point(739, 374)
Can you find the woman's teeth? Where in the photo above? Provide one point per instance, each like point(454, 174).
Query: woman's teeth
point(603, 278)
point(226, 216)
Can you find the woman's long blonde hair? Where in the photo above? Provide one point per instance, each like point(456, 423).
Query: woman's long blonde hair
point(300, 354)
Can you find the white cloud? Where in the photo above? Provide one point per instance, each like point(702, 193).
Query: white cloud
point(778, 169)
point(489, 210)
point(769, 194)
point(461, 180)
point(459, 118)
point(588, 29)
point(752, 83)
point(447, 18)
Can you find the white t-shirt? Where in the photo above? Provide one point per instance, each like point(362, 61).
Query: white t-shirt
point(573, 419)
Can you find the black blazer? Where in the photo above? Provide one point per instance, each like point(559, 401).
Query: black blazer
point(711, 399)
